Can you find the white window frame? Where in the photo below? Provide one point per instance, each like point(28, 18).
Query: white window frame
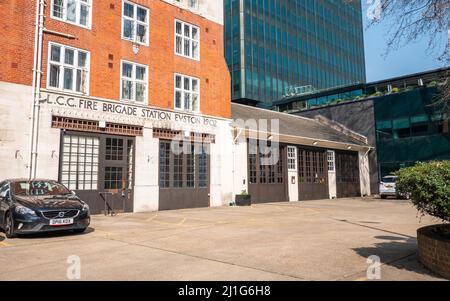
point(134, 81)
point(88, 177)
point(292, 160)
point(331, 159)
point(135, 21)
point(183, 39)
point(183, 91)
point(189, 4)
point(77, 12)
point(62, 64)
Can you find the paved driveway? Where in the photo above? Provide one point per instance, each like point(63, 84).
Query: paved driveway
point(316, 240)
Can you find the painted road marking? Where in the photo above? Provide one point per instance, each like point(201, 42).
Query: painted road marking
point(166, 223)
point(182, 222)
point(5, 244)
point(105, 234)
point(313, 210)
point(151, 218)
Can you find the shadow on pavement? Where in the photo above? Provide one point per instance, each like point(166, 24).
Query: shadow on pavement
point(398, 252)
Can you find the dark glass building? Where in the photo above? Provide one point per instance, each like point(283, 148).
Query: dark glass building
point(401, 117)
point(275, 46)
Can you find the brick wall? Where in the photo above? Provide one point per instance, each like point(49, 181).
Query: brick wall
point(107, 49)
point(434, 252)
point(17, 41)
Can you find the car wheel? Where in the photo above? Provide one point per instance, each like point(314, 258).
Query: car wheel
point(384, 197)
point(9, 226)
point(79, 230)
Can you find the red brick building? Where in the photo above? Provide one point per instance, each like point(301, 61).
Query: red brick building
point(128, 104)
point(111, 83)
point(102, 37)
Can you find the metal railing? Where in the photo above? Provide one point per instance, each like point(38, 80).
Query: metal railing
point(108, 208)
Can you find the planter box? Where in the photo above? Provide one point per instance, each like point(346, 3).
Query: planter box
point(434, 250)
point(243, 200)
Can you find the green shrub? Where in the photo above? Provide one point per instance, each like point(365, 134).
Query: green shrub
point(428, 184)
point(244, 192)
point(378, 93)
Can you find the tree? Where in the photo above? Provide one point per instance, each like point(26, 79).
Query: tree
point(412, 20)
point(428, 186)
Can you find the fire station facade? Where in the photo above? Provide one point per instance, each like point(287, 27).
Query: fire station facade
point(95, 93)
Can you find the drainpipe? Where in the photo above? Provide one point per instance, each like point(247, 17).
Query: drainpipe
point(235, 139)
point(366, 155)
point(36, 87)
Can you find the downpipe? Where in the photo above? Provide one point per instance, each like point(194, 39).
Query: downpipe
point(36, 88)
point(33, 90)
point(366, 156)
point(235, 143)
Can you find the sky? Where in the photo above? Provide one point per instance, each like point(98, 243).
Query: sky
point(410, 59)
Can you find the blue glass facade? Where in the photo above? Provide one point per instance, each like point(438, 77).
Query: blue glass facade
point(274, 45)
point(404, 118)
point(409, 129)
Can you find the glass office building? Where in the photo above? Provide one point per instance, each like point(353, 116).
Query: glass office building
point(405, 117)
point(273, 46)
point(407, 134)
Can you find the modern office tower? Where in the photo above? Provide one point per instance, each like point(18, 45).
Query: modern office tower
point(276, 48)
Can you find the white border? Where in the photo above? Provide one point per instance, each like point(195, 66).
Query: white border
point(134, 81)
point(174, 93)
point(175, 39)
point(88, 63)
point(89, 27)
point(334, 161)
point(292, 147)
point(147, 43)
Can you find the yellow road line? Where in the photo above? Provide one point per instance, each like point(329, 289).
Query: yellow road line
point(5, 244)
point(151, 218)
point(361, 279)
point(165, 223)
point(312, 210)
point(182, 221)
point(104, 233)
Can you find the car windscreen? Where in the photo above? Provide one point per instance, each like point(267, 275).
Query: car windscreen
point(38, 188)
point(389, 180)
